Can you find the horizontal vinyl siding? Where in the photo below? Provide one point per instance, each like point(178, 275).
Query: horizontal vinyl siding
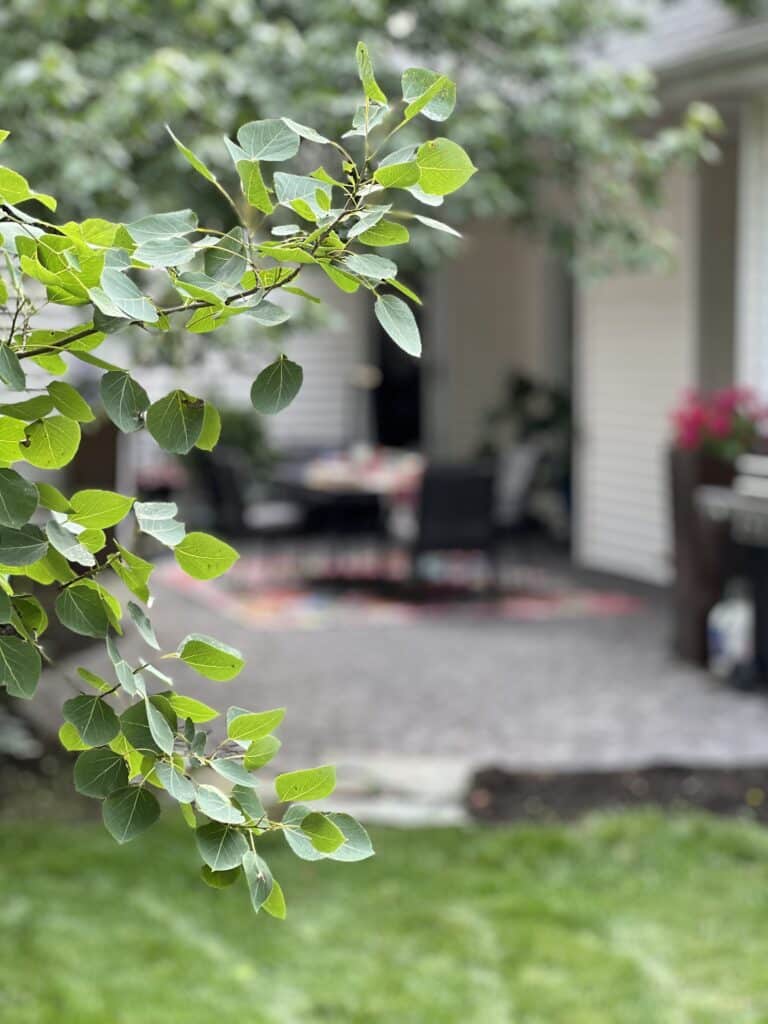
point(635, 355)
point(752, 315)
point(329, 411)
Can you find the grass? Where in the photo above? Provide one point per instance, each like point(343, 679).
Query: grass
point(627, 919)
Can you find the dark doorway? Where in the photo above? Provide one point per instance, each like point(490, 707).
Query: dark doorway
point(397, 399)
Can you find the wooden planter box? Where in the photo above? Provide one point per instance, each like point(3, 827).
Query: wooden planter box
point(701, 550)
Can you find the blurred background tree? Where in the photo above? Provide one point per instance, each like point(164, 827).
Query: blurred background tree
point(88, 84)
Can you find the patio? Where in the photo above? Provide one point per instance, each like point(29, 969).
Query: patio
point(410, 707)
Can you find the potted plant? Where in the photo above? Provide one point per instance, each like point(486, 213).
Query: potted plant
point(711, 430)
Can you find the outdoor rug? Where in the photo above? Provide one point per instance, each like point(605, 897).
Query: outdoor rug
point(278, 592)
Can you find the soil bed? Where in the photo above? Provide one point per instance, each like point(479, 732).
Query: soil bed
point(499, 795)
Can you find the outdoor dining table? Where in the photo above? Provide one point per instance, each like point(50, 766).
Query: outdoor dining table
point(387, 479)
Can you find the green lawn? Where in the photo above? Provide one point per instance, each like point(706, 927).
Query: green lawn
point(633, 919)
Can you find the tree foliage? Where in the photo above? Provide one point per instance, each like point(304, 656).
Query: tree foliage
point(561, 134)
point(135, 734)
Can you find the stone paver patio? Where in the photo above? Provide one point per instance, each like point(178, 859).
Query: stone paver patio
point(579, 693)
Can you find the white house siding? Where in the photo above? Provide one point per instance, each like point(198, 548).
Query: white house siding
point(636, 352)
point(329, 410)
point(500, 306)
point(752, 300)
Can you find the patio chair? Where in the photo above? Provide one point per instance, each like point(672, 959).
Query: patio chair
point(224, 475)
point(456, 513)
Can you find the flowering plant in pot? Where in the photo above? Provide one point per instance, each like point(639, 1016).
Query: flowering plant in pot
point(723, 424)
point(711, 430)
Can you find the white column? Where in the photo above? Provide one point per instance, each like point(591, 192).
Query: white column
point(752, 263)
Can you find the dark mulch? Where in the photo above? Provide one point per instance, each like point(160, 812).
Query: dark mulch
point(496, 795)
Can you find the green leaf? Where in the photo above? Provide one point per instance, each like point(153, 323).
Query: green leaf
point(14, 189)
point(357, 844)
point(306, 784)
point(274, 904)
point(18, 499)
point(20, 667)
point(134, 724)
point(298, 842)
point(93, 680)
point(70, 402)
point(222, 847)
point(70, 739)
point(226, 261)
point(159, 729)
point(254, 189)
point(367, 76)
point(134, 572)
point(67, 544)
point(368, 219)
point(100, 772)
point(93, 718)
point(29, 409)
point(377, 268)
point(175, 782)
point(204, 557)
point(164, 252)
point(444, 165)
point(162, 225)
point(268, 314)
point(271, 139)
point(188, 707)
point(305, 132)
point(219, 879)
point(6, 608)
point(124, 400)
point(233, 771)
point(322, 833)
point(343, 281)
point(261, 752)
point(97, 510)
point(144, 626)
point(397, 319)
point(259, 879)
point(23, 546)
point(128, 812)
point(385, 233)
point(11, 433)
point(428, 93)
point(34, 618)
point(191, 158)
point(292, 187)
point(156, 518)
point(176, 421)
point(253, 726)
point(212, 802)
point(51, 443)
point(11, 372)
point(210, 658)
point(52, 498)
point(209, 435)
point(118, 296)
point(83, 607)
point(397, 175)
point(52, 363)
point(437, 225)
point(276, 386)
point(249, 803)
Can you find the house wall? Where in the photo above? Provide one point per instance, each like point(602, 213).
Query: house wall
point(752, 266)
point(501, 305)
point(635, 353)
point(717, 220)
